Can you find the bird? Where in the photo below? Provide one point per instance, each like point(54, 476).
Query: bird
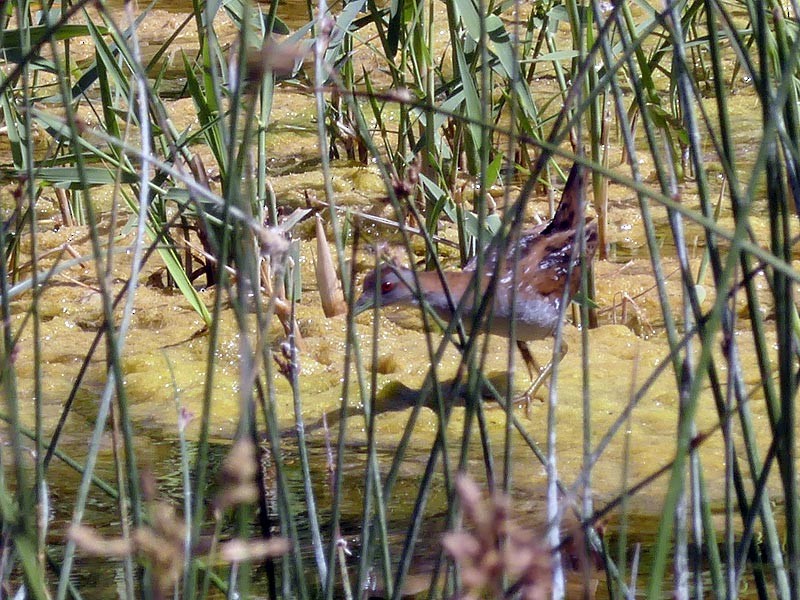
point(544, 254)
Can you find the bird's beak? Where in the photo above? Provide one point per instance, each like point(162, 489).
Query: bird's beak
point(364, 303)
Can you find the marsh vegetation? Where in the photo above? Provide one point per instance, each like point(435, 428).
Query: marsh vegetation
point(191, 200)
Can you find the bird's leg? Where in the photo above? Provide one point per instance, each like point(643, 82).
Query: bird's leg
point(530, 362)
point(537, 375)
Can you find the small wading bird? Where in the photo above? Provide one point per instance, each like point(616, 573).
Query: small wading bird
point(543, 273)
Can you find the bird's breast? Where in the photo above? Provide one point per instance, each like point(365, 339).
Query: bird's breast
point(535, 316)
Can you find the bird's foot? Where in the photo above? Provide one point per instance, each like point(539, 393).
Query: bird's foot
point(528, 395)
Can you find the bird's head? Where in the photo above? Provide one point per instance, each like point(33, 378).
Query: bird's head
point(389, 284)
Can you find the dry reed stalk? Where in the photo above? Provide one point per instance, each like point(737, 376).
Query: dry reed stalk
point(330, 288)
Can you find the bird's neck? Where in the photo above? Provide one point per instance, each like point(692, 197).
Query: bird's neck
point(458, 284)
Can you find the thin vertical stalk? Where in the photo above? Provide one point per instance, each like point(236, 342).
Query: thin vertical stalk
point(374, 508)
point(302, 445)
point(515, 76)
point(28, 193)
point(231, 193)
point(320, 77)
point(293, 577)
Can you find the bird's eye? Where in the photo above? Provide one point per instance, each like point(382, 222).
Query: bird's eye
point(386, 287)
